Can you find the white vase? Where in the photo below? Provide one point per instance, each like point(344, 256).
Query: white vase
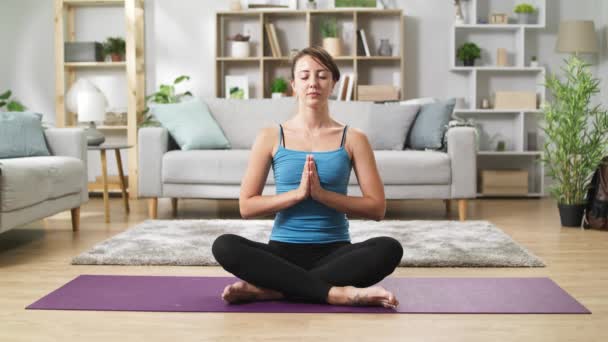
point(333, 46)
point(277, 95)
point(240, 49)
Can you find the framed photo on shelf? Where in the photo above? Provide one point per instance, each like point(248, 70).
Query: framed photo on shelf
point(237, 87)
point(271, 4)
point(355, 4)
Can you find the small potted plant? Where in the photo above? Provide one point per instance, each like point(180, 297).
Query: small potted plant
point(115, 47)
point(533, 62)
point(525, 13)
point(468, 53)
point(575, 137)
point(311, 4)
point(239, 46)
point(331, 42)
point(278, 88)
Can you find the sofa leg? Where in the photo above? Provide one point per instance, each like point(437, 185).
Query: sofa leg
point(75, 219)
point(153, 207)
point(462, 209)
point(174, 207)
point(448, 206)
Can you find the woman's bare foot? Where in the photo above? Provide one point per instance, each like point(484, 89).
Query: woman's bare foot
point(367, 296)
point(242, 291)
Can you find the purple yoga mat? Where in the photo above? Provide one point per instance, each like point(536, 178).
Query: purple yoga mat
point(416, 295)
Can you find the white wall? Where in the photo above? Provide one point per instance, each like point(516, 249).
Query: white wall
point(180, 40)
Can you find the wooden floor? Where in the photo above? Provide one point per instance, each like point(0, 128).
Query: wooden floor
point(35, 259)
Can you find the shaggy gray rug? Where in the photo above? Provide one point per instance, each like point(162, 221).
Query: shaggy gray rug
point(425, 243)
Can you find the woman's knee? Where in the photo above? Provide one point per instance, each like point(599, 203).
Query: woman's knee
point(225, 249)
point(391, 249)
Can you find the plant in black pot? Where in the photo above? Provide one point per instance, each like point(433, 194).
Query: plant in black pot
point(575, 134)
point(468, 53)
point(115, 47)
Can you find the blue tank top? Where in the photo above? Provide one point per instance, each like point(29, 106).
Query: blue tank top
point(310, 221)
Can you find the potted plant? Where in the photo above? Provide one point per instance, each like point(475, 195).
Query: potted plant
point(278, 88)
point(575, 134)
point(165, 94)
point(239, 47)
point(525, 13)
point(311, 4)
point(468, 53)
point(331, 41)
point(115, 47)
point(534, 62)
point(12, 105)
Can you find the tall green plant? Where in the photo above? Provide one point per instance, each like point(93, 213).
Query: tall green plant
point(576, 132)
point(11, 104)
point(165, 94)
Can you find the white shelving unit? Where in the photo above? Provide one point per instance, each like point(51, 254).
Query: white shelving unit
point(485, 78)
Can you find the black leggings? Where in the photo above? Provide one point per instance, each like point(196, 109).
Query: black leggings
point(306, 272)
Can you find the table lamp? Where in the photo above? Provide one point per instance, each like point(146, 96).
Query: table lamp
point(577, 36)
point(91, 108)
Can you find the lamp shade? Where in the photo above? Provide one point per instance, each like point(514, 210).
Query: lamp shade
point(577, 36)
point(91, 106)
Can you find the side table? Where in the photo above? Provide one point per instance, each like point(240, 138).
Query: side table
point(104, 171)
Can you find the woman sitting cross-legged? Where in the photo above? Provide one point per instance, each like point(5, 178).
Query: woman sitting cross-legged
point(310, 256)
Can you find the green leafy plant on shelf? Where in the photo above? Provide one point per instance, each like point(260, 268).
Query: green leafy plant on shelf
point(575, 132)
point(165, 94)
point(329, 27)
point(524, 8)
point(115, 47)
point(279, 85)
point(468, 53)
point(10, 104)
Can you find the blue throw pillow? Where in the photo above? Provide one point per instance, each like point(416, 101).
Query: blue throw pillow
point(191, 125)
point(430, 125)
point(21, 135)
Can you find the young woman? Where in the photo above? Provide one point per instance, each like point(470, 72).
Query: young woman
point(309, 256)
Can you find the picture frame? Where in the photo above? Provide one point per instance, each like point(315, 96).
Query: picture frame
point(267, 5)
point(356, 4)
point(237, 87)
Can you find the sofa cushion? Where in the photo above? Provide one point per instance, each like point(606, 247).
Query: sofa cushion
point(191, 125)
point(21, 135)
point(27, 181)
point(385, 125)
point(242, 120)
point(430, 125)
point(206, 167)
point(228, 167)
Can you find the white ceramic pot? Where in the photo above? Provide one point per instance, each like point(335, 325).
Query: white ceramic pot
point(277, 95)
point(240, 49)
point(333, 46)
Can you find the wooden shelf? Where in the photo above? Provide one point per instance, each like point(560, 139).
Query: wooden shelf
point(297, 29)
point(498, 26)
point(95, 64)
point(66, 73)
point(497, 68)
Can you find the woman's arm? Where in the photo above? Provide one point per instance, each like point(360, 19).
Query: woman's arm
point(251, 202)
point(373, 203)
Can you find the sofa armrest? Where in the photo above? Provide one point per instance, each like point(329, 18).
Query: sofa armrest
point(153, 144)
point(70, 142)
point(463, 156)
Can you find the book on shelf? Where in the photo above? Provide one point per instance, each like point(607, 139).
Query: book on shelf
point(350, 87)
point(362, 46)
point(273, 48)
point(273, 31)
point(342, 87)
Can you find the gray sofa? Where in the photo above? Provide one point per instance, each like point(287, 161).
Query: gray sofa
point(166, 171)
point(32, 188)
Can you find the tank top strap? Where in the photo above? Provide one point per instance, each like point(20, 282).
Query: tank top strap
point(343, 136)
point(281, 136)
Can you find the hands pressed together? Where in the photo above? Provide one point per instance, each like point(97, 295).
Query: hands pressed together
point(310, 184)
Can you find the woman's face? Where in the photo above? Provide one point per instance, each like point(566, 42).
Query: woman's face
point(313, 82)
